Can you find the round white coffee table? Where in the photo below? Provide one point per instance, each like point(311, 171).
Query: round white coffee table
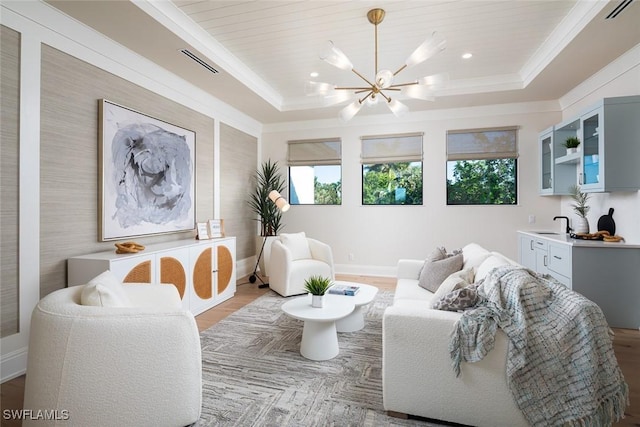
point(355, 321)
point(319, 335)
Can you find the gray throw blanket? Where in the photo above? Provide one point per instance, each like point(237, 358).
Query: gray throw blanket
point(561, 368)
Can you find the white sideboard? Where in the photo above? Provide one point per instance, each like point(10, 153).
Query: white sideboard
point(606, 273)
point(203, 271)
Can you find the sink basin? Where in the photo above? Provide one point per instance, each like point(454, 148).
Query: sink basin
point(546, 232)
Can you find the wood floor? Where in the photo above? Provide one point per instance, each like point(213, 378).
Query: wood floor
point(626, 346)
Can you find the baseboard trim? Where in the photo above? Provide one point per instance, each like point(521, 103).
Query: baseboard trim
point(367, 270)
point(13, 364)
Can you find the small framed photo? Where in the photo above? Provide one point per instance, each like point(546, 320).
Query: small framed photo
point(203, 231)
point(216, 228)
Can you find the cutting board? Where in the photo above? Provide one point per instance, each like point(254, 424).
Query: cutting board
point(607, 223)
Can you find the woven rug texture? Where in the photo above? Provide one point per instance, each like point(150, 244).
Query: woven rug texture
point(253, 373)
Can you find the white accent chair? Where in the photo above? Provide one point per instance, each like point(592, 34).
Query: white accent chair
point(137, 363)
point(296, 257)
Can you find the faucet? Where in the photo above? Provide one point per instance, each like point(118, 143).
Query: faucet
point(569, 229)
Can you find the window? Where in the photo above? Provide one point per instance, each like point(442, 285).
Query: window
point(392, 169)
point(315, 172)
point(482, 166)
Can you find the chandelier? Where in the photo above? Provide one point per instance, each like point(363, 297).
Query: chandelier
point(383, 85)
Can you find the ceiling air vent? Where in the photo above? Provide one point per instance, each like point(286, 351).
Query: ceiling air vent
point(622, 6)
point(199, 61)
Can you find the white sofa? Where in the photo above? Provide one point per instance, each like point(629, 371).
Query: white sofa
point(114, 365)
point(417, 374)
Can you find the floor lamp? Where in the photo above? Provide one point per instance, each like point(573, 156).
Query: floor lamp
point(282, 204)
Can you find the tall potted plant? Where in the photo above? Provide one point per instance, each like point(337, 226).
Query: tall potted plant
point(267, 178)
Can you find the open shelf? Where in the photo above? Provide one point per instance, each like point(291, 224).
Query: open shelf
point(573, 158)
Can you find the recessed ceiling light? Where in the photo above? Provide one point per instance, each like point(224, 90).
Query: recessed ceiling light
point(314, 74)
point(467, 55)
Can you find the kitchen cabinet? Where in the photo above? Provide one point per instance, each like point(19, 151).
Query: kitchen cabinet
point(607, 158)
point(603, 272)
point(202, 271)
point(555, 178)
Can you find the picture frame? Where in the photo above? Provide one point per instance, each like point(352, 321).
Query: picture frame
point(202, 231)
point(216, 228)
point(146, 174)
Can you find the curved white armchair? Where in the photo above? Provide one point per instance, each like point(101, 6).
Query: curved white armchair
point(295, 258)
point(114, 366)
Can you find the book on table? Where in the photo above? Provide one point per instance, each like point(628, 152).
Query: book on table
point(349, 290)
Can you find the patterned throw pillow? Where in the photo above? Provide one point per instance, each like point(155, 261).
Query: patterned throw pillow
point(457, 280)
point(435, 271)
point(459, 299)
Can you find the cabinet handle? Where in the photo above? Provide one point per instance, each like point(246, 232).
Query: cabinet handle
point(544, 261)
point(580, 178)
point(557, 257)
point(539, 243)
point(531, 244)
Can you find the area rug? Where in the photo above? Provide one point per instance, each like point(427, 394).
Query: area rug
point(254, 375)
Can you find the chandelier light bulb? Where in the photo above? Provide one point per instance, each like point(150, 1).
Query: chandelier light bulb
point(373, 99)
point(336, 57)
point(350, 110)
point(434, 44)
point(318, 88)
point(384, 79)
point(397, 108)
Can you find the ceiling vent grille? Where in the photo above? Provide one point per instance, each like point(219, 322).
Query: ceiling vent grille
point(622, 6)
point(199, 61)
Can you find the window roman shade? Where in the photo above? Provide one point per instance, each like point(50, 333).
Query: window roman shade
point(313, 152)
point(391, 148)
point(477, 144)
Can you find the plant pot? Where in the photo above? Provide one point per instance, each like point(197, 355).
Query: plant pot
point(317, 301)
point(581, 225)
point(571, 150)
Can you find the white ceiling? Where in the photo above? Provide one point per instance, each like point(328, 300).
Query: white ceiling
point(264, 50)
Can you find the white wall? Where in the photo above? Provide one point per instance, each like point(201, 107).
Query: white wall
point(378, 236)
point(620, 78)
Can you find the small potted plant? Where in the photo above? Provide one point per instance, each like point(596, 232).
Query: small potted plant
point(317, 286)
point(571, 144)
point(581, 208)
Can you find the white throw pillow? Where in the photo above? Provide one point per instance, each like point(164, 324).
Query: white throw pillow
point(489, 264)
point(298, 245)
point(105, 290)
point(457, 280)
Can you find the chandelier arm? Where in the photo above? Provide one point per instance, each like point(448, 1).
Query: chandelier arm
point(362, 88)
point(365, 98)
point(393, 88)
point(362, 77)
point(400, 69)
point(385, 96)
point(405, 84)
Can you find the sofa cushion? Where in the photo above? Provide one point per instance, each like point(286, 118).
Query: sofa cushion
point(408, 289)
point(459, 299)
point(456, 280)
point(489, 264)
point(473, 255)
point(297, 245)
point(434, 272)
point(105, 290)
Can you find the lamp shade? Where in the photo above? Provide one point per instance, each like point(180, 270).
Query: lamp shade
point(427, 49)
point(279, 201)
point(350, 110)
point(335, 57)
point(397, 108)
point(418, 92)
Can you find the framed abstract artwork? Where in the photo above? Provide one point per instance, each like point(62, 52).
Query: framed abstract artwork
point(147, 174)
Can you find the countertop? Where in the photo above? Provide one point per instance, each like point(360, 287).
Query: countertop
point(564, 238)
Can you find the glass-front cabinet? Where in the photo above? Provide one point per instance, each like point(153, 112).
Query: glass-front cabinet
point(608, 156)
point(589, 178)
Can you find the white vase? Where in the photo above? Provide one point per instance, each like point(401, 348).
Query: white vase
point(317, 300)
point(571, 150)
point(581, 225)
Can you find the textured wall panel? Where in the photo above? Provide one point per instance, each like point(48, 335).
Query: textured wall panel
point(238, 160)
point(71, 89)
point(9, 152)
